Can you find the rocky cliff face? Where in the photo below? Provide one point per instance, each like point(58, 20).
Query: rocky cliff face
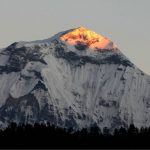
point(75, 79)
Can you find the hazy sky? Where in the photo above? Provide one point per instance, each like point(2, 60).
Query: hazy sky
point(126, 22)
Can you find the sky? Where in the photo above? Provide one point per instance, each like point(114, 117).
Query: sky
point(126, 22)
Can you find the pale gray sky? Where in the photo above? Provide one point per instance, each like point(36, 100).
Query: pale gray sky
point(126, 22)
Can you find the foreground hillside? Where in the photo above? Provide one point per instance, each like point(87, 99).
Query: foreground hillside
point(46, 136)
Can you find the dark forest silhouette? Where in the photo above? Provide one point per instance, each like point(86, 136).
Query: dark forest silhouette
point(47, 136)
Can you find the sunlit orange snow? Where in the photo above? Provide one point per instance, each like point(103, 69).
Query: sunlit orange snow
point(89, 38)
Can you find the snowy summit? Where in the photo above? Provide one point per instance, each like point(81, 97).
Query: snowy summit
point(88, 38)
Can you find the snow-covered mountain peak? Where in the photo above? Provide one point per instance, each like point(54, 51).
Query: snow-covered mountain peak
point(69, 81)
point(88, 38)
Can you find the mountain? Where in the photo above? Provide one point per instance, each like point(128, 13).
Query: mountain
point(76, 78)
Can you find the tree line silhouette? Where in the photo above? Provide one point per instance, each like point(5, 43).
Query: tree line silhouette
point(50, 136)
